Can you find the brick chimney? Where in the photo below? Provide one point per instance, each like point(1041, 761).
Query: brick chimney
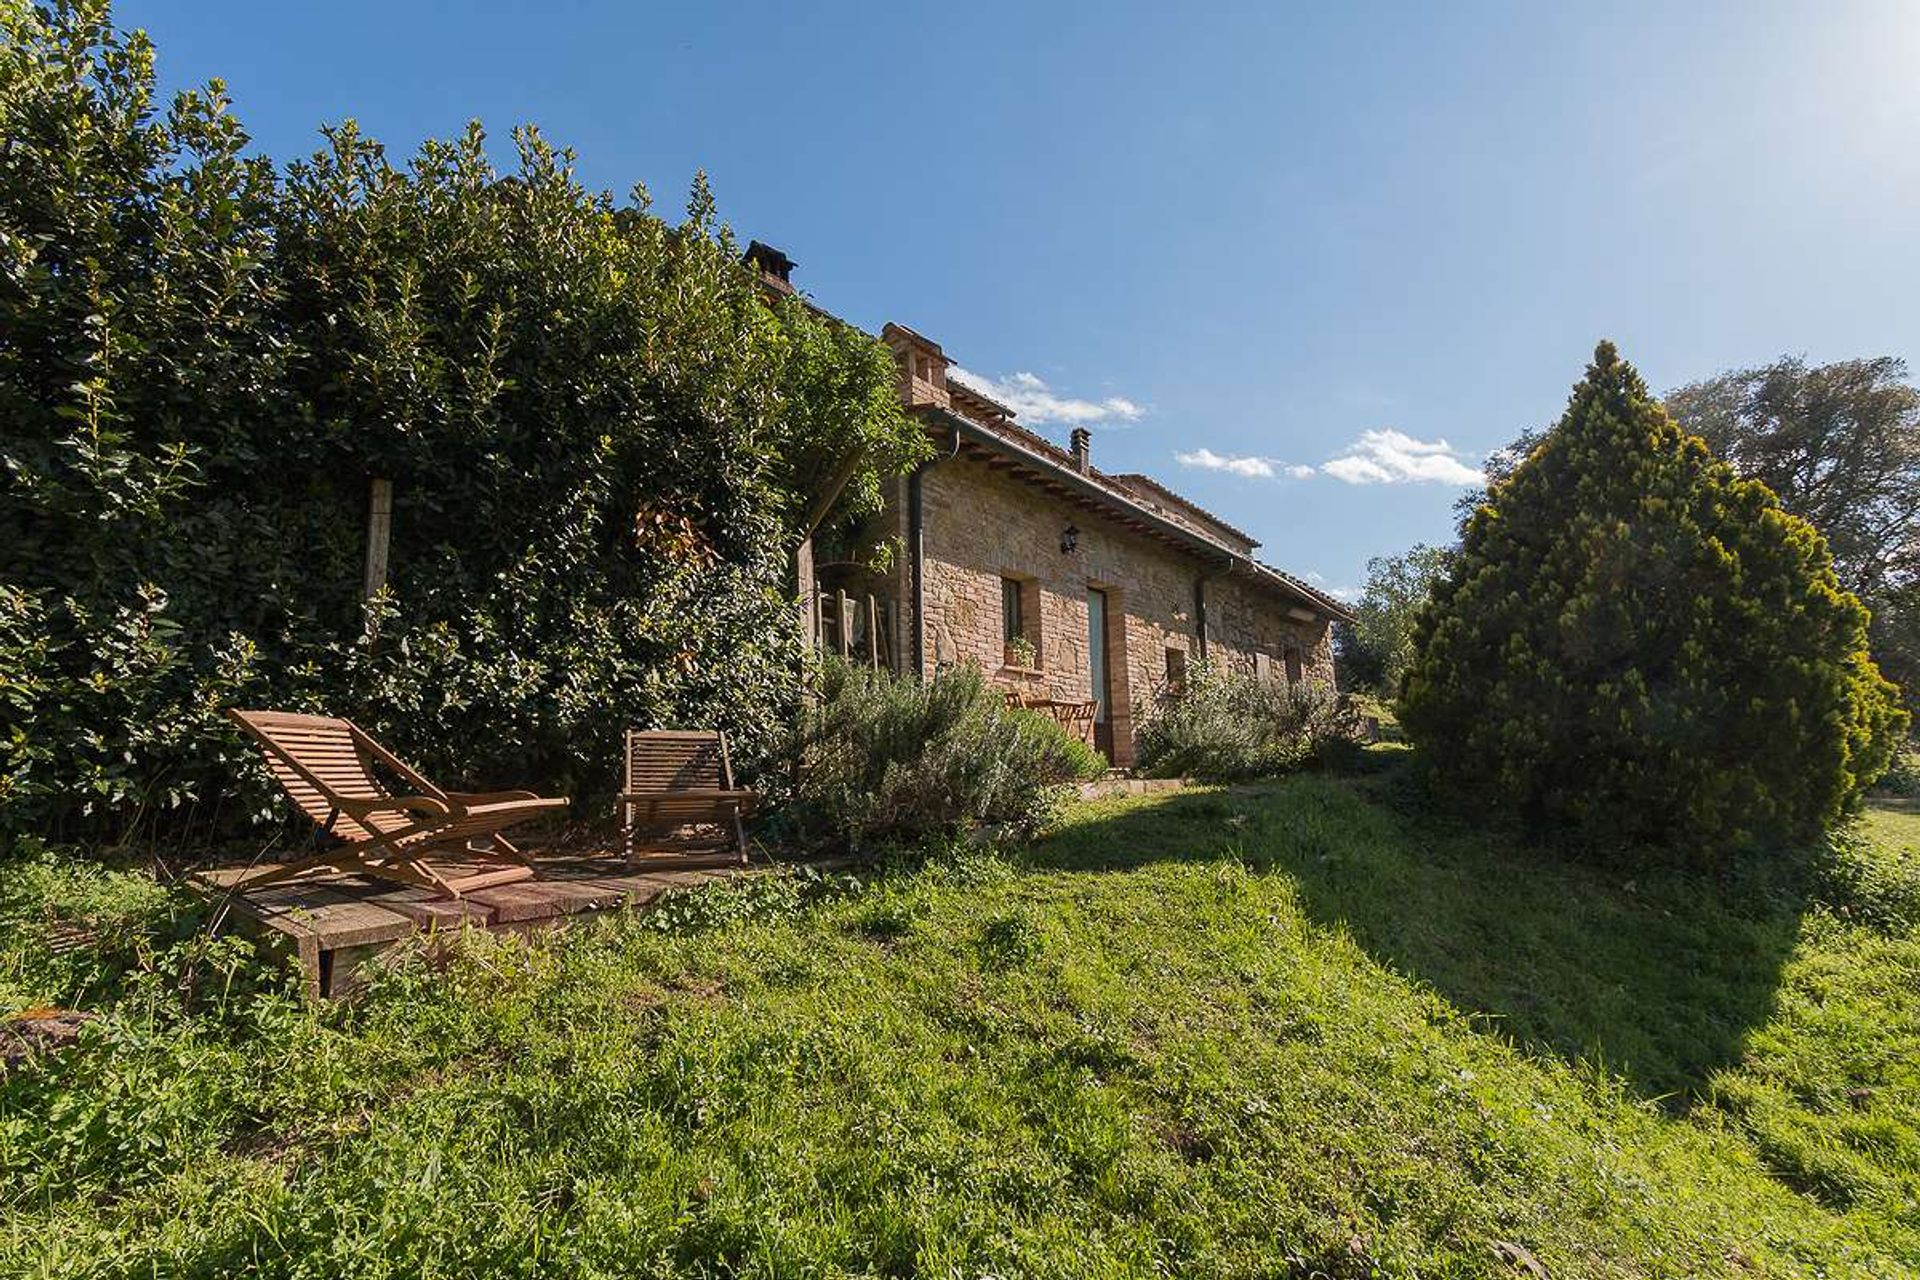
point(923, 367)
point(1082, 450)
point(775, 267)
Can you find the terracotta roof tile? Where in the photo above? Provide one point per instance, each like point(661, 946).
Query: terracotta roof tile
point(1136, 480)
point(1126, 496)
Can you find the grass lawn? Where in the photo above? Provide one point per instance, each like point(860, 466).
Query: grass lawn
point(1283, 1030)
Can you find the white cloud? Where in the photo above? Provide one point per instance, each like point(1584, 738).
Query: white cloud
point(1394, 457)
point(1385, 456)
point(1319, 580)
point(1034, 402)
point(1251, 466)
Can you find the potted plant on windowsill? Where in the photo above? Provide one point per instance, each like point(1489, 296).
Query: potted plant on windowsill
point(1021, 654)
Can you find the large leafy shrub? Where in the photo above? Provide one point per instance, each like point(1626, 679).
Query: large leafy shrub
point(889, 760)
point(1227, 726)
point(603, 447)
point(1634, 643)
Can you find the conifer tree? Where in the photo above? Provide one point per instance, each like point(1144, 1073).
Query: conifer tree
point(1634, 645)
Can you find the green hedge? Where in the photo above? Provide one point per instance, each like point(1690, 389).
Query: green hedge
point(602, 443)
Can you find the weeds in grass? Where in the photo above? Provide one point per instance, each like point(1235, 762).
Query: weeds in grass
point(1010, 939)
point(1872, 884)
point(766, 898)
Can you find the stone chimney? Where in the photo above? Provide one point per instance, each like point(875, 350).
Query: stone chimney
point(1082, 450)
point(775, 267)
point(923, 367)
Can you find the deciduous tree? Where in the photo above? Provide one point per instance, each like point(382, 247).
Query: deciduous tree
point(1377, 647)
point(1839, 444)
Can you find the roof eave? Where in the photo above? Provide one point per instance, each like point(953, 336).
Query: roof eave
point(1205, 547)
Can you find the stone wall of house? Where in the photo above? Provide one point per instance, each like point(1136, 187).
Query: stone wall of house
point(982, 527)
point(1251, 630)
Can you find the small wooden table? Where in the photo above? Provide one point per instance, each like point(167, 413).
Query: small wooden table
point(1075, 717)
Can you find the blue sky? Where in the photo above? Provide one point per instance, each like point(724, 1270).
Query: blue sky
point(1299, 246)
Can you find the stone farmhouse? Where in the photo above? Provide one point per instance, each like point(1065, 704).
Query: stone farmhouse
point(1056, 578)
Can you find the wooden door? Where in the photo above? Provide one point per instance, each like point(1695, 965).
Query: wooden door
point(1097, 667)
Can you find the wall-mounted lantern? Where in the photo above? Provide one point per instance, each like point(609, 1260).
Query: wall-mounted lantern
point(1069, 540)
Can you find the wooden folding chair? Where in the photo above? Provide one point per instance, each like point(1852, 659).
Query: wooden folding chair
point(1078, 718)
point(339, 777)
point(679, 796)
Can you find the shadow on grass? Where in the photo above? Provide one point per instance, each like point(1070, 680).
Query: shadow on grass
point(1656, 976)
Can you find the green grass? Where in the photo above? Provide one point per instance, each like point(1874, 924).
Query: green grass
point(1894, 825)
point(1284, 1030)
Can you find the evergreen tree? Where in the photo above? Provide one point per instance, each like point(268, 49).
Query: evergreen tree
point(1636, 645)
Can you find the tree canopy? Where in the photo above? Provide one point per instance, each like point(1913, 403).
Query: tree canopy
point(1839, 444)
point(1378, 646)
point(1635, 642)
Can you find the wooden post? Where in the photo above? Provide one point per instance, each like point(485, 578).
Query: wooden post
point(843, 622)
point(806, 589)
point(873, 634)
point(379, 535)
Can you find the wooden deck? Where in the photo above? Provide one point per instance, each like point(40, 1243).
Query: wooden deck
point(337, 924)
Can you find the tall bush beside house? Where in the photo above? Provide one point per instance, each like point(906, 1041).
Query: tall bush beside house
point(578, 408)
point(1634, 644)
point(138, 363)
point(603, 447)
point(888, 760)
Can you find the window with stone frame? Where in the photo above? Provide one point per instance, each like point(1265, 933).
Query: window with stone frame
point(1020, 620)
point(1176, 671)
point(1293, 664)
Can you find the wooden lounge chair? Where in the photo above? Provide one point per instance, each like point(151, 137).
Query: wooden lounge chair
point(679, 796)
point(339, 777)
